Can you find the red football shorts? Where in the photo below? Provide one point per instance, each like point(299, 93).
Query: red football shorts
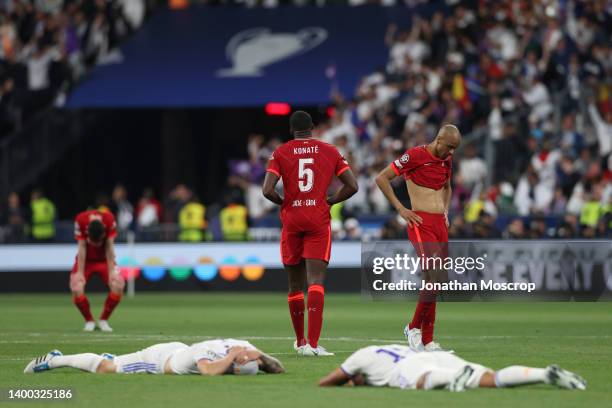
point(431, 237)
point(94, 268)
point(310, 244)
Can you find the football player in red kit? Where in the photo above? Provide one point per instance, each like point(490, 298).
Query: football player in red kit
point(427, 170)
point(307, 167)
point(95, 232)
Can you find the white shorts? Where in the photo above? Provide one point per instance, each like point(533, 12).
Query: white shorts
point(150, 360)
point(413, 366)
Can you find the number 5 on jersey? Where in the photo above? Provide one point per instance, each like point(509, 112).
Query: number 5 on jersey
point(306, 175)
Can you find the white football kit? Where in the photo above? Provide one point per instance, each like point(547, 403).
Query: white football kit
point(400, 367)
point(183, 359)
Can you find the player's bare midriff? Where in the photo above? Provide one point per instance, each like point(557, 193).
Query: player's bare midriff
point(425, 199)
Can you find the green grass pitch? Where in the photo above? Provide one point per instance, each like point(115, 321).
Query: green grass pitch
point(578, 336)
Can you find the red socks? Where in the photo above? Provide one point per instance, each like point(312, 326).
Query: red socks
point(316, 297)
point(296, 310)
point(82, 303)
point(425, 315)
point(112, 300)
point(427, 328)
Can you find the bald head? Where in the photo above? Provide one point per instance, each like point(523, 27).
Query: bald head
point(449, 133)
point(447, 140)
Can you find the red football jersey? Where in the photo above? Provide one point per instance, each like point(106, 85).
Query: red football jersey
point(423, 168)
point(95, 253)
point(307, 167)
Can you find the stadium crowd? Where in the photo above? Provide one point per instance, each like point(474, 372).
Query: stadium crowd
point(528, 83)
point(46, 46)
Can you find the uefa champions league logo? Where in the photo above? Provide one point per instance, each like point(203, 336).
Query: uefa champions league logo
point(252, 50)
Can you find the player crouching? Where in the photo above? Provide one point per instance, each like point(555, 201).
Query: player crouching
point(95, 232)
point(212, 357)
point(400, 367)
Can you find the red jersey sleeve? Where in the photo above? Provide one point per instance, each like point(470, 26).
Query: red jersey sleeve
point(274, 165)
point(341, 164)
point(407, 161)
point(80, 227)
point(110, 225)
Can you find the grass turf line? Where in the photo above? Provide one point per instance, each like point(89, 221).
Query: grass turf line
point(575, 335)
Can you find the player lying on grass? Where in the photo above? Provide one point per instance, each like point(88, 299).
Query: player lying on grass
point(211, 357)
point(400, 367)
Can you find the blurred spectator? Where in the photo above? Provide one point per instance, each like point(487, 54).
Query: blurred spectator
point(234, 220)
point(515, 230)
point(473, 169)
point(592, 209)
point(531, 194)
point(177, 199)
point(572, 142)
point(603, 129)
point(192, 221)
point(457, 228)
point(14, 219)
point(567, 176)
point(537, 228)
point(558, 203)
point(394, 228)
point(476, 207)
point(352, 229)
point(121, 208)
point(43, 217)
point(505, 199)
point(485, 227)
point(568, 228)
point(148, 210)
point(134, 12)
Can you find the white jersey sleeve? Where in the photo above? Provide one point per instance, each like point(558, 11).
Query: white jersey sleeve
point(203, 353)
point(375, 363)
point(358, 361)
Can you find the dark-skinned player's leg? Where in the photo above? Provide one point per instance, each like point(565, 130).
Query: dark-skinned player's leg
point(315, 275)
point(296, 275)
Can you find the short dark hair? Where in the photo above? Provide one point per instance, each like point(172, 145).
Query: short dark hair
point(300, 121)
point(96, 230)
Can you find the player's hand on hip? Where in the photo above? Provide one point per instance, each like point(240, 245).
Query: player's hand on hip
point(412, 218)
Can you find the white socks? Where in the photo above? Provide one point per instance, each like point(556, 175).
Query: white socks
point(519, 375)
point(438, 379)
point(86, 361)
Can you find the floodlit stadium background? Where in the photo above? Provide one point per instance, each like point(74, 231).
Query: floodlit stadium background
point(143, 107)
point(158, 109)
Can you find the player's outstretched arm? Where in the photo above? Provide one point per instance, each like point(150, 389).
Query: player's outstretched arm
point(348, 189)
point(336, 377)
point(269, 188)
point(383, 180)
